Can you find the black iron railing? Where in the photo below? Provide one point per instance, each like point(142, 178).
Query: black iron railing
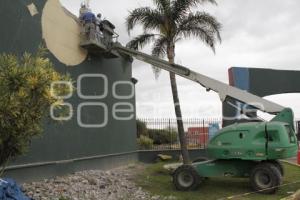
point(162, 134)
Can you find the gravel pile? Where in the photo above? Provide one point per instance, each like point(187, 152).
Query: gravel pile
point(91, 185)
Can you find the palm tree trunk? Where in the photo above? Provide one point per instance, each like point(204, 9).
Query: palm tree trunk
point(182, 138)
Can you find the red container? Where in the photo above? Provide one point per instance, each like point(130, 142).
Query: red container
point(298, 160)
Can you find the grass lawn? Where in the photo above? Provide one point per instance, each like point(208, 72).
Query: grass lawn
point(157, 181)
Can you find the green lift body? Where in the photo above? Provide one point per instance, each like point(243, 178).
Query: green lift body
point(238, 148)
point(256, 140)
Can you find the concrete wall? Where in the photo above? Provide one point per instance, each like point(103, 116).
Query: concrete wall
point(150, 156)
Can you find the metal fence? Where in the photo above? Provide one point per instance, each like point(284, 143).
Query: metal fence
point(162, 134)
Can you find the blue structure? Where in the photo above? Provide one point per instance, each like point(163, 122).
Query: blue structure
point(213, 129)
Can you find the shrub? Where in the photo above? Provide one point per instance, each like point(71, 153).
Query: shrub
point(141, 128)
point(163, 136)
point(145, 142)
point(25, 99)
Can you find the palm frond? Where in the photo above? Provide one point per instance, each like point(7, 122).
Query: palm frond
point(160, 47)
point(141, 40)
point(163, 5)
point(181, 7)
point(201, 19)
point(206, 35)
point(159, 50)
point(147, 17)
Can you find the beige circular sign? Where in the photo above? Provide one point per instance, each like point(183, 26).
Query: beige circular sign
point(61, 33)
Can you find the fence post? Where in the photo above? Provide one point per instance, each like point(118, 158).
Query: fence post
point(169, 128)
point(203, 132)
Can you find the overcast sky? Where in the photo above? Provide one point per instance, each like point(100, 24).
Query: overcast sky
point(256, 33)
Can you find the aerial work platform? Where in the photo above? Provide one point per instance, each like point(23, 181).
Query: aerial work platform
point(99, 40)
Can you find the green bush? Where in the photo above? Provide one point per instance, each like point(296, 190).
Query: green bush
point(144, 142)
point(25, 100)
point(141, 128)
point(163, 136)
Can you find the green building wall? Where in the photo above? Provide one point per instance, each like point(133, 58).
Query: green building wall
point(66, 147)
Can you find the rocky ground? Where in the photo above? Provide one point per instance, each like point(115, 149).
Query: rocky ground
point(91, 185)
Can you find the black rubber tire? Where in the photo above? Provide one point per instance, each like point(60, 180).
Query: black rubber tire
point(278, 165)
point(265, 172)
point(189, 172)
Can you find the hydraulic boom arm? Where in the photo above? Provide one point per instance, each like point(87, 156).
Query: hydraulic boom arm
point(224, 90)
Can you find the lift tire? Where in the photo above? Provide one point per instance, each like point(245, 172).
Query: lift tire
point(265, 178)
point(186, 178)
point(278, 165)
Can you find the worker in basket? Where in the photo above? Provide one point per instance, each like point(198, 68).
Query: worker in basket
point(88, 20)
point(99, 27)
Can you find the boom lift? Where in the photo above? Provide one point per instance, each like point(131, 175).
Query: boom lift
point(250, 149)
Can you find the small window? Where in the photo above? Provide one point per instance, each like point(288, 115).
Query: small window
point(290, 133)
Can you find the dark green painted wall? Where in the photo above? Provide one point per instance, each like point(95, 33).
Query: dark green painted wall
point(265, 82)
point(38, 172)
point(21, 32)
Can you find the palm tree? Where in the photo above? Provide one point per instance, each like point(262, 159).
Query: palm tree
point(166, 24)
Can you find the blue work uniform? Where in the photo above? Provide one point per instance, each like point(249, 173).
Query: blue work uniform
point(88, 17)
